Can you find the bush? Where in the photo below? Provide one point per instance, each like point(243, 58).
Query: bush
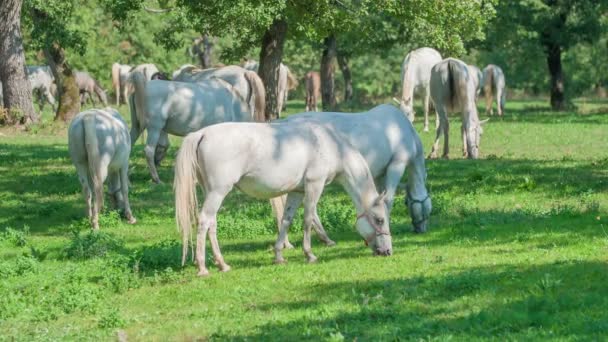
point(18, 238)
point(92, 245)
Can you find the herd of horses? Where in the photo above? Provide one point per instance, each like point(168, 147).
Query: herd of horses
point(228, 144)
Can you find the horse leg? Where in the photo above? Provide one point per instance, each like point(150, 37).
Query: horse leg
point(464, 141)
point(114, 190)
point(321, 231)
point(446, 136)
point(294, 199)
point(499, 96)
point(278, 208)
point(311, 198)
point(394, 171)
point(489, 101)
point(124, 189)
point(439, 131)
point(161, 148)
point(150, 149)
point(83, 177)
point(427, 96)
point(207, 223)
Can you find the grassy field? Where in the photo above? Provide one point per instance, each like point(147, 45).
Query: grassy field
point(517, 249)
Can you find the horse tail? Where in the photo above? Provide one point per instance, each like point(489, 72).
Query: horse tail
point(184, 185)
point(292, 81)
point(406, 85)
point(488, 83)
point(258, 95)
point(451, 81)
point(137, 106)
point(116, 81)
point(92, 150)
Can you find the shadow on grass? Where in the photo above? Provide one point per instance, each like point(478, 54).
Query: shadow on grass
point(565, 300)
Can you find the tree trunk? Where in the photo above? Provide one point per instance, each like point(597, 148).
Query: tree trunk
point(328, 95)
point(67, 90)
point(554, 61)
point(16, 87)
point(348, 81)
point(271, 57)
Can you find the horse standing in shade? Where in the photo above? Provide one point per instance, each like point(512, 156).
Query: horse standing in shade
point(245, 82)
point(287, 82)
point(453, 90)
point(494, 85)
point(179, 108)
point(415, 76)
point(390, 145)
point(42, 84)
point(265, 160)
point(99, 145)
point(120, 75)
point(313, 90)
point(87, 85)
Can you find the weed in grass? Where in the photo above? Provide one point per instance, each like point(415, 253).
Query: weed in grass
point(15, 237)
point(111, 319)
point(18, 266)
point(93, 244)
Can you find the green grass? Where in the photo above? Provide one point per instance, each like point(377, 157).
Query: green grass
point(517, 249)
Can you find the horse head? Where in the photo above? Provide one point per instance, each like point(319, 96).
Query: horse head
point(373, 226)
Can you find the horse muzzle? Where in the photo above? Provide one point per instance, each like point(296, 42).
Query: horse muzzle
point(381, 252)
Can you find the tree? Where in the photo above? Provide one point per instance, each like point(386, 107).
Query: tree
point(328, 95)
point(555, 25)
point(52, 33)
point(16, 87)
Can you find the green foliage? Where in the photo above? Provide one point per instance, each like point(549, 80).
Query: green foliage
point(15, 237)
point(93, 244)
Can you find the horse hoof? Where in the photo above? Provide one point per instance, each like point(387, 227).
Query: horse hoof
point(203, 273)
point(330, 243)
point(311, 259)
point(280, 261)
point(132, 220)
point(426, 129)
point(288, 245)
point(225, 268)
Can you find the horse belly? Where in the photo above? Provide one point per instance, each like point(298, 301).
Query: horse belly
point(268, 188)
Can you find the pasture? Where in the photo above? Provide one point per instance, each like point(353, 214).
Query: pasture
point(517, 249)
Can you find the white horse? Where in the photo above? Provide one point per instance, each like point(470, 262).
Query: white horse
point(415, 76)
point(494, 85)
point(265, 160)
point(178, 108)
point(453, 90)
point(99, 145)
point(120, 74)
point(476, 74)
point(41, 81)
point(287, 81)
point(245, 82)
point(390, 145)
point(87, 85)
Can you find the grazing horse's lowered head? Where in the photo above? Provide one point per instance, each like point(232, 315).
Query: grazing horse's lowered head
point(373, 226)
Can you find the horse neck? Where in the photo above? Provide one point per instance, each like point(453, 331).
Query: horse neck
point(359, 183)
point(416, 177)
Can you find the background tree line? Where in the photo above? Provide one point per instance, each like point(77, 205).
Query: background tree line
point(545, 47)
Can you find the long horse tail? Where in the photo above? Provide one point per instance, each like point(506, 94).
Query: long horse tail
point(137, 105)
point(488, 83)
point(184, 185)
point(116, 81)
point(452, 82)
point(406, 85)
point(92, 149)
point(258, 95)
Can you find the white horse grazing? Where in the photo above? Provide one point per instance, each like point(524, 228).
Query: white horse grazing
point(453, 90)
point(494, 85)
point(41, 80)
point(179, 108)
point(390, 145)
point(120, 74)
point(99, 145)
point(476, 74)
point(415, 76)
point(245, 82)
point(287, 81)
point(87, 85)
point(265, 160)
